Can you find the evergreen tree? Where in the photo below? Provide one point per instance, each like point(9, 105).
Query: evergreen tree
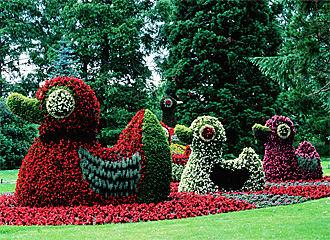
point(303, 62)
point(64, 63)
point(111, 39)
point(302, 67)
point(208, 66)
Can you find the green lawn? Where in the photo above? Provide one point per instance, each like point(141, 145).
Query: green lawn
point(325, 162)
point(309, 220)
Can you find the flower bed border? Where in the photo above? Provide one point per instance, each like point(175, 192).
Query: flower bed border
point(178, 206)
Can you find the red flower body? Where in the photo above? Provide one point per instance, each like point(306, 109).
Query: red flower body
point(50, 174)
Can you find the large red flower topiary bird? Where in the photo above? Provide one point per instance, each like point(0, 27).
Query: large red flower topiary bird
point(281, 162)
point(67, 166)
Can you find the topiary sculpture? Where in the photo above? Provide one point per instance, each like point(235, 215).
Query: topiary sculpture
point(281, 162)
point(167, 105)
point(67, 166)
point(206, 170)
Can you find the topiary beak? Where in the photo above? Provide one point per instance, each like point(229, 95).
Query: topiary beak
point(184, 133)
point(28, 109)
point(260, 132)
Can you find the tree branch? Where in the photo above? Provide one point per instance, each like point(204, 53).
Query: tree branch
point(325, 88)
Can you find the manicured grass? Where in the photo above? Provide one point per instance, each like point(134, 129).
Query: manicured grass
point(310, 220)
point(7, 187)
point(9, 178)
point(325, 162)
point(9, 175)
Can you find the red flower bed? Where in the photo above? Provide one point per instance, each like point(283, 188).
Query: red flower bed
point(312, 191)
point(179, 205)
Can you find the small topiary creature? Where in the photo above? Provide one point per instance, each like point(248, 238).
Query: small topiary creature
point(281, 162)
point(206, 170)
point(167, 105)
point(66, 165)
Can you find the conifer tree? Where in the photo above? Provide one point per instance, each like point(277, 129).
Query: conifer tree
point(64, 62)
point(208, 66)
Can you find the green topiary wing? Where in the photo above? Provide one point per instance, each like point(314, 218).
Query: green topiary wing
point(155, 185)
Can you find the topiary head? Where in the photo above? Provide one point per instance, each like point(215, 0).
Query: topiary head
point(204, 134)
point(278, 129)
point(61, 104)
point(282, 129)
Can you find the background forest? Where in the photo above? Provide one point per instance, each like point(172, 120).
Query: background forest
point(240, 61)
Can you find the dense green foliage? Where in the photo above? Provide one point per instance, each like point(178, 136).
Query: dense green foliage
point(304, 58)
point(16, 137)
point(109, 41)
point(208, 66)
point(17, 29)
point(155, 187)
point(302, 67)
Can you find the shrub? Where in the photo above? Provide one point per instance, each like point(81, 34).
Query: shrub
point(16, 136)
point(155, 186)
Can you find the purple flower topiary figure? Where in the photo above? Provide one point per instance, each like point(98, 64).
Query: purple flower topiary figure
point(281, 162)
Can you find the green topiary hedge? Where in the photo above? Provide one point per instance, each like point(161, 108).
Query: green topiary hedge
point(155, 187)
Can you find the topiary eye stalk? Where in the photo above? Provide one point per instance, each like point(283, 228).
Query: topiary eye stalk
point(207, 133)
point(283, 131)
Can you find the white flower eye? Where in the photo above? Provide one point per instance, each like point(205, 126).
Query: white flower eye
point(60, 103)
point(283, 131)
